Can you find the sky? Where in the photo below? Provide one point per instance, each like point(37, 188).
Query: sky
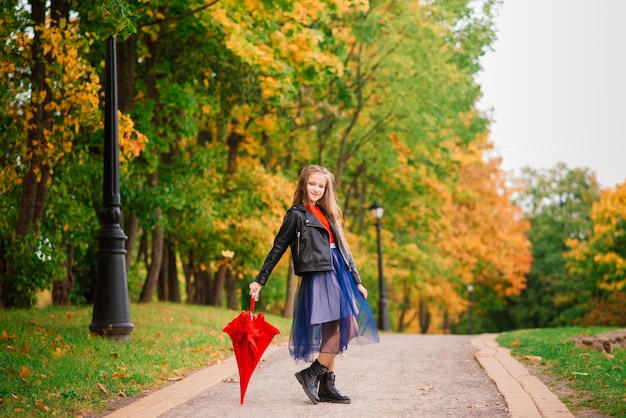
point(555, 86)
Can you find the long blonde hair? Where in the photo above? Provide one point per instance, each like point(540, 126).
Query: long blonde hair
point(329, 202)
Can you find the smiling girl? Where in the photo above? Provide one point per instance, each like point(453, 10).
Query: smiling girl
point(330, 307)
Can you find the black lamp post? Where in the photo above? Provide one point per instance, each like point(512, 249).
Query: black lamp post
point(470, 289)
point(383, 318)
point(111, 312)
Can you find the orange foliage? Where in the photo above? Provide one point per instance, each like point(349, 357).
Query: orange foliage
point(482, 230)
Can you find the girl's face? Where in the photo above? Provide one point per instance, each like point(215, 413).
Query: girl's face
point(315, 188)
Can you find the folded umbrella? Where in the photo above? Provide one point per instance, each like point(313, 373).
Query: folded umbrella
point(250, 336)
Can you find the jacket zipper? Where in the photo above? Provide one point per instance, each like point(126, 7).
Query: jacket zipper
point(298, 250)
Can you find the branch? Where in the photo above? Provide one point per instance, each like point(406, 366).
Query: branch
point(180, 16)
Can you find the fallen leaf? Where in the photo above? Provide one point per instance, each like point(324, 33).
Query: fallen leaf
point(427, 388)
point(41, 405)
point(476, 406)
point(175, 379)
point(59, 352)
point(6, 336)
point(532, 358)
point(121, 394)
point(25, 372)
point(119, 375)
point(102, 388)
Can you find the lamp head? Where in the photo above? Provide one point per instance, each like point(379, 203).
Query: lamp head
point(376, 210)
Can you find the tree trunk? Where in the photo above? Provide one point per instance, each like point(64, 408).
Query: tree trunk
point(233, 141)
point(34, 184)
point(131, 227)
point(155, 266)
point(61, 289)
point(127, 62)
point(203, 287)
point(142, 253)
point(4, 273)
point(405, 305)
point(172, 274)
point(35, 181)
point(188, 273)
point(232, 299)
point(424, 317)
point(290, 294)
point(163, 291)
point(220, 281)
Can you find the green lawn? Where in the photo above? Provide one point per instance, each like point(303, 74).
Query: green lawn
point(52, 365)
point(598, 378)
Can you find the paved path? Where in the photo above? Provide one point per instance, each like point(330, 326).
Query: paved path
point(403, 376)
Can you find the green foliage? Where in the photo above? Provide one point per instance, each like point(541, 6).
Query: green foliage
point(51, 364)
point(598, 376)
point(114, 17)
point(37, 261)
point(558, 203)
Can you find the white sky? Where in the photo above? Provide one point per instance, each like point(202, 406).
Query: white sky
point(556, 86)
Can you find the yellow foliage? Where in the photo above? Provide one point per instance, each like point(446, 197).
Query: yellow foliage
point(131, 141)
point(599, 255)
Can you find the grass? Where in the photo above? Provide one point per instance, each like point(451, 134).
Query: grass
point(52, 365)
point(597, 379)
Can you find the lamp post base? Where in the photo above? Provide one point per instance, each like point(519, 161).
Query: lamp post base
point(111, 310)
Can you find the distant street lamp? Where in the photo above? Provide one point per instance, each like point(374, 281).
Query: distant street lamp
point(111, 311)
point(470, 289)
point(383, 319)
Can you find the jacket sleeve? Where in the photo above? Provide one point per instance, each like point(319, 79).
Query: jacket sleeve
point(284, 237)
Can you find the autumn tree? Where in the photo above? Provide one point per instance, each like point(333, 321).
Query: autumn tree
point(482, 234)
point(224, 102)
point(557, 201)
point(598, 258)
point(51, 100)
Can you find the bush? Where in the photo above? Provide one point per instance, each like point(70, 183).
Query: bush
point(610, 312)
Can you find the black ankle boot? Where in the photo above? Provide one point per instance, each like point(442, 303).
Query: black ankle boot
point(328, 392)
point(309, 379)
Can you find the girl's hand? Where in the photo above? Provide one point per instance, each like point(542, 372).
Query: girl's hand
point(362, 289)
point(255, 289)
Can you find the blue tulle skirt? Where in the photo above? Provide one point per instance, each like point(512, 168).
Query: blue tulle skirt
point(329, 312)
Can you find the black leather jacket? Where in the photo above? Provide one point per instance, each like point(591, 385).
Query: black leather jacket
point(310, 246)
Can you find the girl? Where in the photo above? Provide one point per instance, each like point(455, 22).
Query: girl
point(331, 307)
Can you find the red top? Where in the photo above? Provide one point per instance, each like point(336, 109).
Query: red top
point(315, 210)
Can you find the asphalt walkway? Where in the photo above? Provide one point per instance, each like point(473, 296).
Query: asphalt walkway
point(403, 376)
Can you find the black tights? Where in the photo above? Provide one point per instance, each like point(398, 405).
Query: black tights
point(331, 334)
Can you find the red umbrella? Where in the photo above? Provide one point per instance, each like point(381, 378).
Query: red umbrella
point(250, 337)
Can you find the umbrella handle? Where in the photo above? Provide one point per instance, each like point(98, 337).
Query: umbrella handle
point(253, 299)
